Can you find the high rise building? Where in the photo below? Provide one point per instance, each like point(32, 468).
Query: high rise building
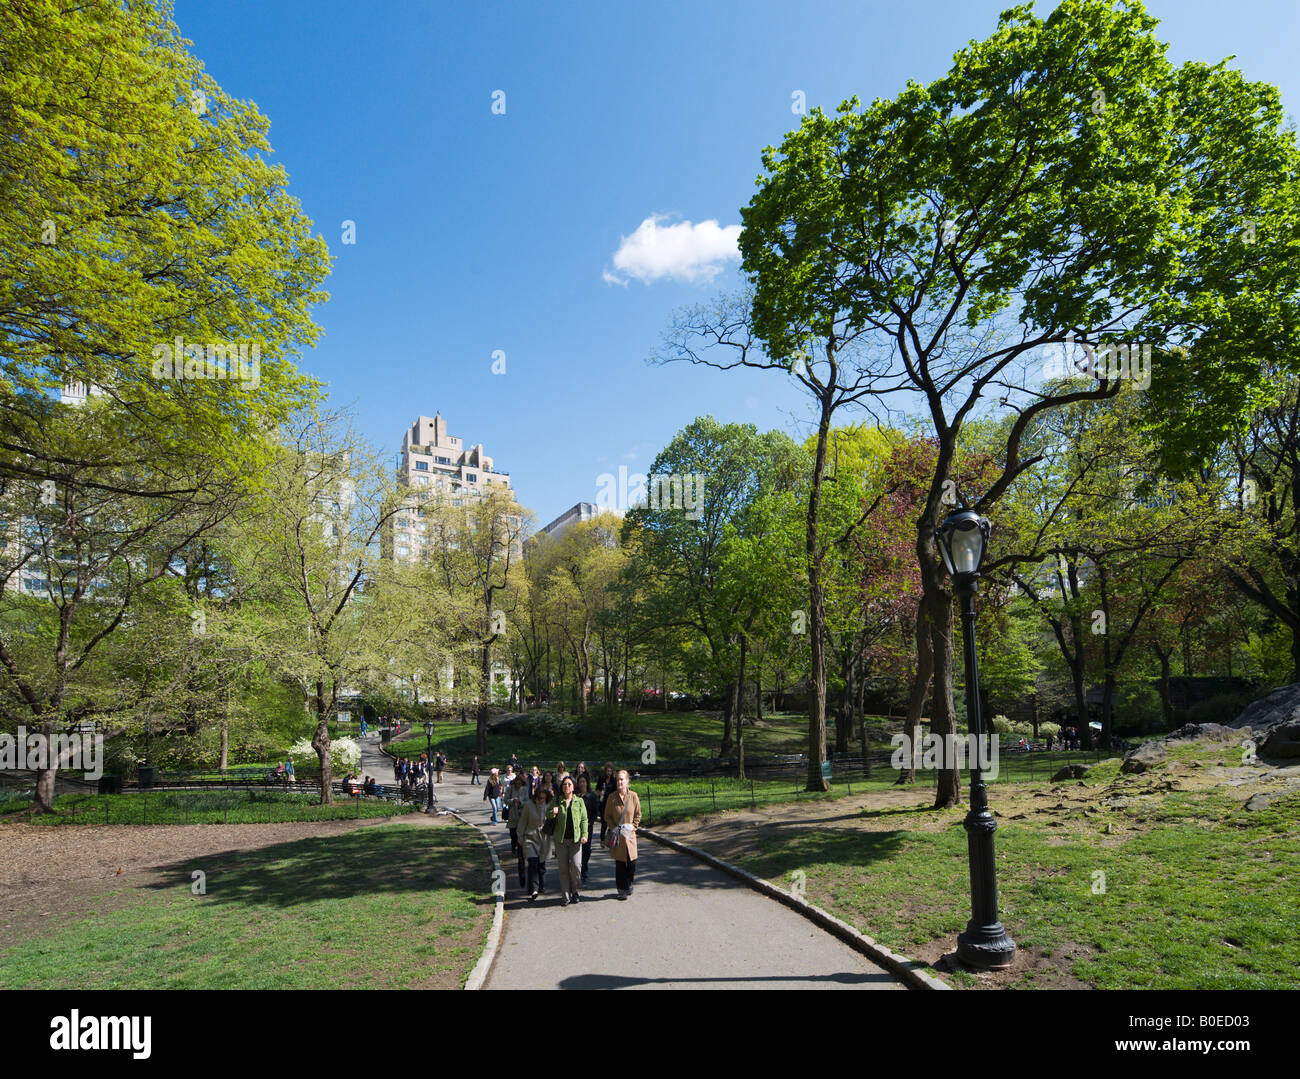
point(433, 461)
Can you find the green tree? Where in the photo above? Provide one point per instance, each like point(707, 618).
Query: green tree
point(1062, 183)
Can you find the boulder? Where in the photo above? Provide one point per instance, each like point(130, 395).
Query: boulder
point(1282, 742)
point(1280, 706)
point(1203, 731)
point(1142, 758)
point(1258, 801)
point(1071, 771)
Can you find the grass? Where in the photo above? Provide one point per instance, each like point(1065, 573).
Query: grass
point(321, 913)
point(1182, 891)
point(250, 806)
point(677, 736)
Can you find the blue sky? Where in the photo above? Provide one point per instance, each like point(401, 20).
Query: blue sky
point(478, 232)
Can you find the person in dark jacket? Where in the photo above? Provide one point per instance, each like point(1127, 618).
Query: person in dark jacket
point(492, 794)
point(592, 801)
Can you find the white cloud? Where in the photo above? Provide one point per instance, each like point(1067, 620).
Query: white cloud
point(679, 252)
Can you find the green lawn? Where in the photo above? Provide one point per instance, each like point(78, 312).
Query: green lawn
point(1187, 891)
point(677, 736)
point(251, 806)
point(393, 906)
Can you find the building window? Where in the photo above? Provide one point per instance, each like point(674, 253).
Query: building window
point(443, 460)
point(402, 522)
point(422, 466)
point(403, 550)
point(472, 479)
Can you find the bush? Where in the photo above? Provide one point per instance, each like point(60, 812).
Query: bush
point(1221, 708)
point(547, 725)
point(1052, 729)
point(1001, 725)
point(345, 755)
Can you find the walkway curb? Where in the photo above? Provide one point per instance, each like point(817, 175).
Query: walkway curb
point(479, 974)
point(909, 970)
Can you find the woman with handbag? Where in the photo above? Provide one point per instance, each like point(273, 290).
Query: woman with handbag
point(622, 816)
point(535, 837)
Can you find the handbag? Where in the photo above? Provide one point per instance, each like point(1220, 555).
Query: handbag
point(548, 826)
point(612, 838)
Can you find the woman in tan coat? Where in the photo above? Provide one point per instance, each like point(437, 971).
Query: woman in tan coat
point(622, 817)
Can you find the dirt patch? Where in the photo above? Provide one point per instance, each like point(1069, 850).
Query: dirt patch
point(52, 875)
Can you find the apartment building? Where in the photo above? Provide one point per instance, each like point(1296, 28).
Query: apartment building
point(435, 462)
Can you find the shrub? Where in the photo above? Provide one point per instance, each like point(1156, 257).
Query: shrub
point(345, 755)
point(546, 725)
point(1054, 729)
point(1001, 725)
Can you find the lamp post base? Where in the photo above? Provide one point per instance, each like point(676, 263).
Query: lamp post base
point(985, 947)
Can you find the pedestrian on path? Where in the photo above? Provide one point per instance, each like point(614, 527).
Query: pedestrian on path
point(571, 831)
point(560, 772)
point(623, 815)
point(534, 778)
point(518, 796)
point(492, 794)
point(605, 787)
point(440, 762)
point(592, 801)
point(363, 726)
point(473, 771)
point(536, 842)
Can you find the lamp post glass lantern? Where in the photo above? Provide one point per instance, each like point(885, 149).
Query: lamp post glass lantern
point(962, 540)
point(428, 779)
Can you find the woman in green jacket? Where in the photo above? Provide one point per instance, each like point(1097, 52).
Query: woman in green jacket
point(570, 815)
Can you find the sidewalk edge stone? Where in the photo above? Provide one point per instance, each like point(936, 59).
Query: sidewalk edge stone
point(911, 972)
point(479, 974)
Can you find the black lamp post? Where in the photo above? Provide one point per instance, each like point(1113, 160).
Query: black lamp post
point(962, 540)
point(428, 737)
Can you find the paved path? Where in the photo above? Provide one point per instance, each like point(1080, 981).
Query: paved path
point(686, 927)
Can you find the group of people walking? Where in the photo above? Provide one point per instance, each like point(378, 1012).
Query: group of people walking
point(410, 774)
point(557, 813)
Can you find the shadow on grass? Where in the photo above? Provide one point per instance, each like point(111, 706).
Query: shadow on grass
point(370, 862)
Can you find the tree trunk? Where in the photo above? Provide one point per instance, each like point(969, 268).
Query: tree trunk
point(484, 700)
point(1166, 705)
point(817, 614)
point(740, 712)
point(728, 704)
point(321, 744)
point(45, 776)
point(920, 687)
point(225, 746)
point(948, 789)
point(844, 720)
